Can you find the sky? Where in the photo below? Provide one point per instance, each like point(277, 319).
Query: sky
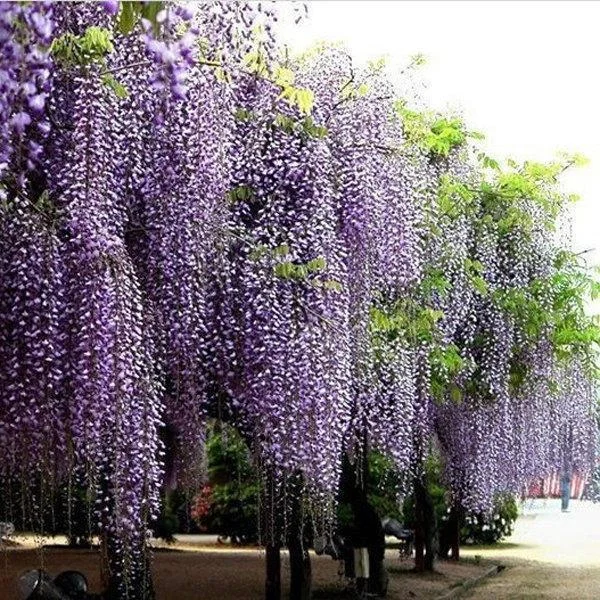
point(525, 73)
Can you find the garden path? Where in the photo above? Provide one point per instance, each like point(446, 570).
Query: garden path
point(551, 554)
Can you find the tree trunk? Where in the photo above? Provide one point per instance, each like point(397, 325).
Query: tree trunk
point(300, 567)
point(137, 585)
point(273, 565)
point(425, 528)
point(368, 531)
point(300, 571)
point(419, 541)
point(455, 521)
point(449, 536)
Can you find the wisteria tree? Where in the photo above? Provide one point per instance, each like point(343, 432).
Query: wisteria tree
point(193, 223)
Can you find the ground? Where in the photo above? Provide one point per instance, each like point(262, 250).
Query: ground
point(209, 573)
point(550, 555)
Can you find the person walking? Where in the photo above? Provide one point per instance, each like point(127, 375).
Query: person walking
point(565, 490)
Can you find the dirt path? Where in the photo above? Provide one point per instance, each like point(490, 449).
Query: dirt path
point(550, 555)
point(205, 573)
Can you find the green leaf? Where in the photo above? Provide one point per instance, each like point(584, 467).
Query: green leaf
point(258, 252)
point(316, 264)
point(455, 393)
point(305, 100)
point(283, 77)
point(284, 123)
point(285, 270)
point(480, 284)
point(116, 86)
point(128, 16)
point(92, 46)
point(243, 114)
point(150, 10)
point(333, 285)
point(312, 129)
point(240, 193)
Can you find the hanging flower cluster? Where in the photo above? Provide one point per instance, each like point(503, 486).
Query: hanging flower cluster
point(525, 339)
point(284, 361)
point(377, 212)
point(105, 250)
point(25, 34)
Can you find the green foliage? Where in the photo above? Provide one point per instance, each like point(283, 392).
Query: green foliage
point(302, 98)
point(117, 87)
point(382, 486)
point(405, 318)
point(437, 134)
point(352, 91)
point(305, 127)
point(446, 364)
point(475, 273)
point(240, 193)
point(445, 135)
point(284, 123)
point(555, 306)
point(507, 197)
point(487, 162)
point(483, 528)
point(493, 527)
point(574, 332)
point(382, 492)
point(435, 488)
point(80, 50)
point(309, 272)
point(455, 198)
point(242, 114)
point(513, 201)
point(132, 12)
point(255, 63)
point(90, 48)
point(312, 129)
point(234, 483)
point(434, 282)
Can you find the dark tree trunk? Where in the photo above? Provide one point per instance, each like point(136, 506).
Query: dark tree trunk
point(425, 528)
point(449, 536)
point(300, 571)
point(455, 521)
point(368, 531)
point(273, 565)
point(139, 585)
point(300, 567)
point(419, 541)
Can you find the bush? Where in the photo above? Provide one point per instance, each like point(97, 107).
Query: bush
point(382, 487)
point(437, 493)
point(228, 504)
point(491, 528)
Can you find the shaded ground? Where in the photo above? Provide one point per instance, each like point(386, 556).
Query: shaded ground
point(226, 574)
point(550, 555)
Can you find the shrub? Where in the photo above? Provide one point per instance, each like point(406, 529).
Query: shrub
point(491, 528)
point(228, 504)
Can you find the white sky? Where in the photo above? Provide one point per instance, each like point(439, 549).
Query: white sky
point(525, 73)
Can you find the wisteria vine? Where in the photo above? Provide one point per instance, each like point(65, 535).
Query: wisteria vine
point(192, 224)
